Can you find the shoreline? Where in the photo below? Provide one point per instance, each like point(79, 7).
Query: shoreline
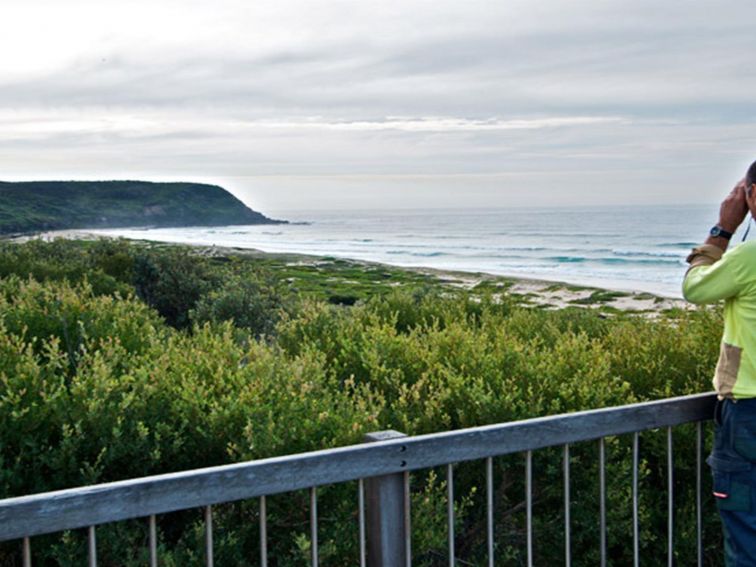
point(537, 292)
point(560, 294)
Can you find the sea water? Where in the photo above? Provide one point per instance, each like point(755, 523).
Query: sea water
point(627, 248)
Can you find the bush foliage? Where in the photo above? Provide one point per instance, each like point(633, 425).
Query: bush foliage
point(119, 361)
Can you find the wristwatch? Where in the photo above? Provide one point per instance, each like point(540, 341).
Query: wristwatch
point(717, 230)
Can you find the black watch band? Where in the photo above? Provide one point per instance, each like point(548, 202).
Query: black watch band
point(717, 230)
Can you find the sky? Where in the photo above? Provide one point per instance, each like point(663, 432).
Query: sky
point(304, 104)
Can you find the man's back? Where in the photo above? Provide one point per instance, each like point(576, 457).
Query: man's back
point(731, 277)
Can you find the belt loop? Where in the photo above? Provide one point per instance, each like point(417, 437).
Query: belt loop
point(718, 408)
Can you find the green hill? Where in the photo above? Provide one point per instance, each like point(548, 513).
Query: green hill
point(57, 205)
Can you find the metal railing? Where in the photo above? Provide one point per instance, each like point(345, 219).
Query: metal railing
point(382, 468)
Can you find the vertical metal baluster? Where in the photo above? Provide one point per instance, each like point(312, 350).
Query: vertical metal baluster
point(314, 526)
point(263, 531)
point(209, 536)
point(567, 550)
point(92, 543)
point(636, 543)
point(153, 541)
point(699, 515)
point(407, 519)
point(27, 552)
point(361, 516)
point(602, 500)
point(529, 505)
point(670, 500)
point(490, 510)
point(450, 511)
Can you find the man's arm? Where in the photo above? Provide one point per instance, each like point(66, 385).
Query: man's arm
point(709, 279)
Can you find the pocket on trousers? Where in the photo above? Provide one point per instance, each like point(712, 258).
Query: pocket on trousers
point(730, 493)
point(745, 440)
point(742, 427)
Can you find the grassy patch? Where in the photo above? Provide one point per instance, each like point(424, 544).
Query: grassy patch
point(599, 296)
point(491, 285)
point(646, 296)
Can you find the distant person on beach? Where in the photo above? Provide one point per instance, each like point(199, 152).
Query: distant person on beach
point(713, 276)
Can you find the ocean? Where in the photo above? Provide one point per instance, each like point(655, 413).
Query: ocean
point(625, 248)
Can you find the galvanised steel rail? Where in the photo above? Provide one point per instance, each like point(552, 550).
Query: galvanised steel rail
point(382, 468)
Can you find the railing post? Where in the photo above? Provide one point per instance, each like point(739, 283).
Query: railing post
point(386, 530)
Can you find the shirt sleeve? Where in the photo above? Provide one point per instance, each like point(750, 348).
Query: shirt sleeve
point(712, 275)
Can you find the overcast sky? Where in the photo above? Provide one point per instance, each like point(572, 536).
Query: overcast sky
point(322, 104)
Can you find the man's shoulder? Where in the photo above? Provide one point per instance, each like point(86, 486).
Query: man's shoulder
point(746, 250)
point(743, 259)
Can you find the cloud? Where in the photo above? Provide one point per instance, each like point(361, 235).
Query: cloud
point(379, 87)
point(447, 124)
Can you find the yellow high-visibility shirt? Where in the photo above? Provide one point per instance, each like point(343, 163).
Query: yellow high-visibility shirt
point(712, 277)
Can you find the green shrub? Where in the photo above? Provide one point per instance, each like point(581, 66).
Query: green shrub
point(95, 388)
point(59, 260)
point(172, 282)
point(252, 302)
point(75, 316)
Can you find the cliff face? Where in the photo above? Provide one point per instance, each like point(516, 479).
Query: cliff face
point(56, 205)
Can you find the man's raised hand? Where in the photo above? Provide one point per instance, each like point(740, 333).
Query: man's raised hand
point(734, 208)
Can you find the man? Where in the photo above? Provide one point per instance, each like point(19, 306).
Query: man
point(713, 276)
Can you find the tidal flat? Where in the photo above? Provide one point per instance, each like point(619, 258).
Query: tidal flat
point(346, 281)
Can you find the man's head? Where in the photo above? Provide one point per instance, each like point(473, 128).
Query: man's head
point(750, 194)
point(750, 177)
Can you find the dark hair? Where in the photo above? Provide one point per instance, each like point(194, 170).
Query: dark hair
point(750, 177)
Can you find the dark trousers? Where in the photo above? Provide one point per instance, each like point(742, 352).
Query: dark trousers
point(733, 466)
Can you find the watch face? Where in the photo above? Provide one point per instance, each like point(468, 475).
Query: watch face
point(719, 231)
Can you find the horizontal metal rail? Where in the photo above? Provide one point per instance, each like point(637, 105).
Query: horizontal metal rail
point(92, 505)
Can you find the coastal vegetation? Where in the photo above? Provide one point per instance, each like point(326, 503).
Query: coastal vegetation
point(35, 206)
point(120, 360)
